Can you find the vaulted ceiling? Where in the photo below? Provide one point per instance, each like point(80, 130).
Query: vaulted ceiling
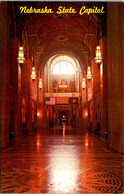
point(49, 34)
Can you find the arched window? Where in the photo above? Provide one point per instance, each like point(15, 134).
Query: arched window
point(63, 67)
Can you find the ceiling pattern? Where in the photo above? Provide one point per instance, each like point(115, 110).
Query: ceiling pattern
point(49, 34)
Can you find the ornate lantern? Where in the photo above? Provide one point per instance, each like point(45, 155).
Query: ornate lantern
point(21, 58)
point(89, 75)
point(63, 86)
point(83, 83)
point(98, 58)
point(40, 83)
point(33, 74)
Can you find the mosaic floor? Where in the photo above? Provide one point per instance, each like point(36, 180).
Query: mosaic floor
point(61, 162)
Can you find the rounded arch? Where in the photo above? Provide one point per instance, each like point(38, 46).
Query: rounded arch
point(59, 83)
point(52, 54)
point(67, 58)
point(63, 66)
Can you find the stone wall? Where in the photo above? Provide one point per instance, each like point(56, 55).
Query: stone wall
point(115, 74)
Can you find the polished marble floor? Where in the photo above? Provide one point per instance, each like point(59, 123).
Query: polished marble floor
point(61, 161)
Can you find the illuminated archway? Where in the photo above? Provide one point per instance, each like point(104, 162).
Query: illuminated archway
point(62, 74)
point(63, 67)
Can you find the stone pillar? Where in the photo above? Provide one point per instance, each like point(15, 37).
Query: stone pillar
point(96, 93)
point(115, 72)
point(84, 95)
point(4, 78)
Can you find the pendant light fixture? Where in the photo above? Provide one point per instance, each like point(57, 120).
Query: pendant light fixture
point(40, 83)
point(98, 57)
point(89, 75)
point(83, 83)
point(63, 86)
point(33, 74)
point(21, 58)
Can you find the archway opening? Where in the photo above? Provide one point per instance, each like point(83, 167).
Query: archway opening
point(63, 118)
point(62, 75)
point(63, 67)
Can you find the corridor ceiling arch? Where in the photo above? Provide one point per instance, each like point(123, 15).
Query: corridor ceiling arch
point(28, 18)
point(52, 33)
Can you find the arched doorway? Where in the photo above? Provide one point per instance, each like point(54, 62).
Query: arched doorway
point(63, 118)
point(62, 83)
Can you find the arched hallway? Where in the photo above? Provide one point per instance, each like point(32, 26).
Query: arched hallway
point(54, 161)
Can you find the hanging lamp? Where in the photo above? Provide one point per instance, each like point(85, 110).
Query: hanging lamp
point(40, 83)
point(83, 83)
point(98, 57)
point(89, 75)
point(21, 58)
point(33, 74)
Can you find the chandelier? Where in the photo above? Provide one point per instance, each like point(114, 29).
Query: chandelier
point(83, 83)
point(40, 83)
point(20, 58)
point(98, 58)
point(89, 75)
point(33, 74)
point(63, 86)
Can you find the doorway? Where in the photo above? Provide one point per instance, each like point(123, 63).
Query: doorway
point(63, 117)
point(11, 126)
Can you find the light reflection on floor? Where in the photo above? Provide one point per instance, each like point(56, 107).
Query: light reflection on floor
point(63, 173)
point(60, 161)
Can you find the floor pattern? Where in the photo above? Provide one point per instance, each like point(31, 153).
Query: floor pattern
point(61, 162)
